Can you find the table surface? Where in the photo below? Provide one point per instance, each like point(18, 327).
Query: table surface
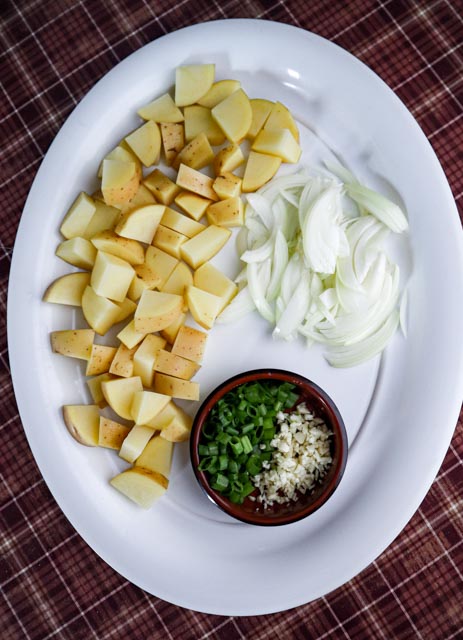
point(52, 584)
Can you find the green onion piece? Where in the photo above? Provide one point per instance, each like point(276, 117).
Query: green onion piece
point(247, 446)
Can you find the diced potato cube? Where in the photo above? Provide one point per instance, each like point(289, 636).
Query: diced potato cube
point(149, 279)
point(141, 486)
point(162, 109)
point(175, 387)
point(175, 365)
point(157, 456)
point(211, 279)
point(157, 310)
point(280, 118)
point(146, 143)
point(278, 142)
point(169, 240)
point(111, 434)
point(203, 306)
point(68, 289)
point(234, 115)
point(111, 276)
point(199, 120)
point(228, 159)
point(190, 343)
point(180, 278)
point(119, 394)
point(136, 440)
point(161, 186)
point(193, 205)
point(192, 82)
point(196, 182)
point(204, 246)
point(218, 92)
point(142, 198)
point(141, 224)
point(145, 357)
point(176, 431)
point(129, 336)
point(122, 364)
point(260, 168)
point(146, 405)
point(100, 359)
point(174, 423)
point(161, 263)
point(226, 213)
point(260, 112)
point(126, 309)
point(227, 185)
point(119, 181)
point(104, 218)
point(99, 312)
point(197, 153)
point(124, 248)
point(77, 251)
point(74, 343)
point(181, 223)
point(173, 140)
point(78, 216)
point(94, 386)
point(170, 332)
point(82, 422)
point(122, 153)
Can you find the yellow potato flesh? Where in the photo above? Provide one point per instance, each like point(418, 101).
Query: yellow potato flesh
point(77, 251)
point(146, 405)
point(192, 82)
point(82, 422)
point(157, 456)
point(234, 115)
point(157, 310)
point(141, 486)
point(204, 246)
point(203, 306)
point(119, 394)
point(68, 289)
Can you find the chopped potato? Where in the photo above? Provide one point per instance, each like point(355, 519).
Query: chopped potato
point(78, 216)
point(157, 310)
point(140, 485)
point(74, 343)
point(100, 359)
point(175, 387)
point(199, 121)
point(192, 82)
point(161, 186)
point(122, 363)
point(190, 343)
point(173, 140)
point(77, 251)
point(162, 110)
point(111, 434)
point(68, 289)
point(196, 154)
point(175, 365)
point(82, 422)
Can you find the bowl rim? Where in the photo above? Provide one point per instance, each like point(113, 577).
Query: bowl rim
point(236, 380)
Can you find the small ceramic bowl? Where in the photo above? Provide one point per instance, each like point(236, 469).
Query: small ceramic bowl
point(252, 511)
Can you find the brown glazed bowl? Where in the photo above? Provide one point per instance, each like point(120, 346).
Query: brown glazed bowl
point(321, 404)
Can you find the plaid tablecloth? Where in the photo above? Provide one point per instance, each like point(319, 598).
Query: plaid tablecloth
point(52, 584)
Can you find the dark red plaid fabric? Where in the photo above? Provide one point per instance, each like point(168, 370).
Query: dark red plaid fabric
point(52, 584)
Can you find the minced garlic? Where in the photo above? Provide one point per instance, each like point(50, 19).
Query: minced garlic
point(300, 460)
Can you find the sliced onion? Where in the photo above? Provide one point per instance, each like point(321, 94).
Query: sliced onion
point(350, 356)
point(258, 280)
point(241, 305)
point(295, 310)
point(279, 264)
point(388, 212)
